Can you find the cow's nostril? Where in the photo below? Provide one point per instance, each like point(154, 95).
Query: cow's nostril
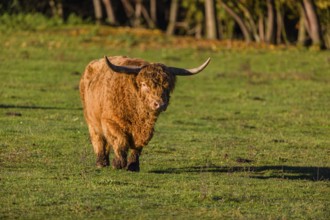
point(156, 105)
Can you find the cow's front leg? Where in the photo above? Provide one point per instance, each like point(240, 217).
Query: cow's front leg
point(119, 142)
point(120, 159)
point(133, 160)
point(100, 148)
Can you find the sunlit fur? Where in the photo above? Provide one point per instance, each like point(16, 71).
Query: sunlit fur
point(120, 109)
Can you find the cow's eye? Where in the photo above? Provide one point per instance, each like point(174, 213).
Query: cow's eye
point(144, 87)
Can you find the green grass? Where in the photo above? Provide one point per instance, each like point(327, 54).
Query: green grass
point(248, 138)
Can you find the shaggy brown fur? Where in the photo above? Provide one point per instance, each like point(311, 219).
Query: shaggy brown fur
point(121, 109)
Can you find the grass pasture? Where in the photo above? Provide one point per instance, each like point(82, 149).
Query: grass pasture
point(248, 138)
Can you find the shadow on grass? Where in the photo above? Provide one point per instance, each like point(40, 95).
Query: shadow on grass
point(259, 172)
point(4, 106)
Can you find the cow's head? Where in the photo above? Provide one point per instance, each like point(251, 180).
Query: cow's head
point(155, 81)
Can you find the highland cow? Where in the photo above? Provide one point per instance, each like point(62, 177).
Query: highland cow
point(122, 98)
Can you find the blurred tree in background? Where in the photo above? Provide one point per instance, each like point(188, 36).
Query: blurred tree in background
point(300, 22)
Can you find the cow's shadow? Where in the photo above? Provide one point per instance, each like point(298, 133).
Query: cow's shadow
point(259, 172)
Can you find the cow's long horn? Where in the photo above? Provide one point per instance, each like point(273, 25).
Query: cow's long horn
point(122, 69)
point(188, 72)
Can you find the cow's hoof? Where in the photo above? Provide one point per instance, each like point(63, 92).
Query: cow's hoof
point(102, 163)
point(118, 164)
point(134, 167)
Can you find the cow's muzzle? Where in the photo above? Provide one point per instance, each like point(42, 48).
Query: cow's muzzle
point(158, 105)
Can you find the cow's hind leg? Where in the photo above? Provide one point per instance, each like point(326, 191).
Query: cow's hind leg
point(133, 160)
point(101, 148)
